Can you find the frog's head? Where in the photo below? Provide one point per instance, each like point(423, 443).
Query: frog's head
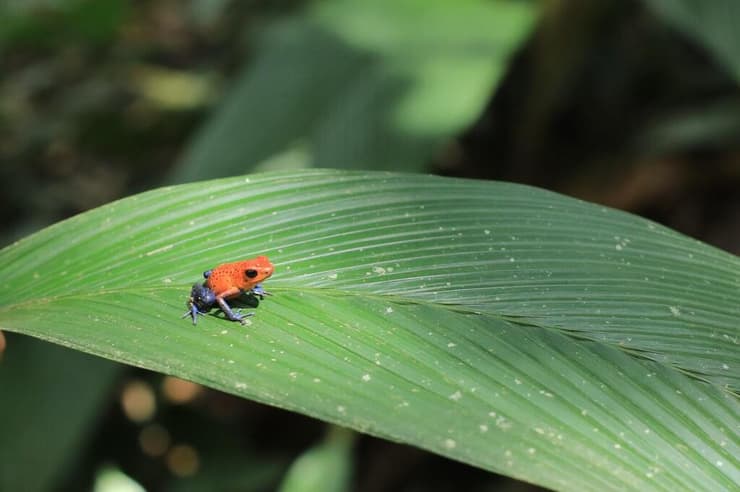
point(259, 269)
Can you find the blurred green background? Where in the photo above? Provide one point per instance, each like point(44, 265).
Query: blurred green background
point(632, 104)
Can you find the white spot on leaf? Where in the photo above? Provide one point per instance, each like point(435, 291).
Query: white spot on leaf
point(159, 250)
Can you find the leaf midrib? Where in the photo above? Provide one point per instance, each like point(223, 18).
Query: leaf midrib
point(184, 288)
point(524, 321)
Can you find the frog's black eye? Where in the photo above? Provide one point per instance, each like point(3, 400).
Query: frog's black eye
point(251, 273)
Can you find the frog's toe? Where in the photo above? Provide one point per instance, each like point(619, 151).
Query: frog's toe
point(237, 315)
point(193, 313)
point(259, 291)
point(243, 317)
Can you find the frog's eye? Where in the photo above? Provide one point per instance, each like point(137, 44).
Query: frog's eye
point(251, 273)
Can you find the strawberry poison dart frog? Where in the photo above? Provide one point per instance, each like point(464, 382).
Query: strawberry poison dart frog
point(228, 281)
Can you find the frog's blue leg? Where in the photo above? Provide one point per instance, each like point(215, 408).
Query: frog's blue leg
point(193, 312)
point(231, 315)
point(259, 291)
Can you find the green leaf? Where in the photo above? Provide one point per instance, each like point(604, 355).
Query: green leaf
point(361, 85)
point(563, 343)
point(42, 386)
point(712, 24)
point(326, 467)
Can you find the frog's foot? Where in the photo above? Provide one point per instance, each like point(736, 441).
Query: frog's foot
point(193, 312)
point(259, 291)
point(232, 315)
point(239, 316)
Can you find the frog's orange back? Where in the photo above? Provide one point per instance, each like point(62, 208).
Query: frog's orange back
point(242, 275)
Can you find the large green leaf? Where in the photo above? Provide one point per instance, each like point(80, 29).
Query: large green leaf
point(515, 329)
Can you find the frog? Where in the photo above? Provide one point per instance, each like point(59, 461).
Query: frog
point(229, 281)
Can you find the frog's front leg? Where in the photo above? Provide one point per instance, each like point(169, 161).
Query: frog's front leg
point(228, 312)
point(258, 291)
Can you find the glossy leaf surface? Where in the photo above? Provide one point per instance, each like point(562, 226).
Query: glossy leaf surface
point(512, 328)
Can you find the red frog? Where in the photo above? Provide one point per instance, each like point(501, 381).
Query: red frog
point(228, 281)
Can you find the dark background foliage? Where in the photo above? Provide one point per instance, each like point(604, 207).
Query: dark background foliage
point(626, 103)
